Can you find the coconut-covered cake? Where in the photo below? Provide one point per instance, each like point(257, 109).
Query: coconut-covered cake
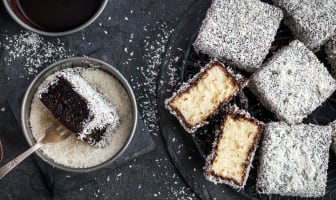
point(80, 107)
point(293, 83)
point(312, 21)
point(233, 150)
point(294, 160)
point(202, 96)
point(239, 32)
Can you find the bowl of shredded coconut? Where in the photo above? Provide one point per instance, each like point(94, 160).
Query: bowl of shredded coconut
point(73, 154)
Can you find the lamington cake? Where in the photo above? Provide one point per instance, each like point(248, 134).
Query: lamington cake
point(294, 160)
point(293, 83)
point(233, 149)
point(312, 21)
point(239, 32)
point(202, 96)
point(330, 50)
point(80, 107)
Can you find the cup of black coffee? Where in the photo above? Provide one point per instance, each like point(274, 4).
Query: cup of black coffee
point(55, 17)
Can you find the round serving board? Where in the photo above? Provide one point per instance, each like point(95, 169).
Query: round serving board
point(188, 151)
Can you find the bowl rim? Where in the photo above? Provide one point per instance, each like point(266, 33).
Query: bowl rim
point(29, 94)
point(54, 34)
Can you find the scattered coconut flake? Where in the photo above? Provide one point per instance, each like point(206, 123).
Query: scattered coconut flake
point(154, 47)
point(33, 50)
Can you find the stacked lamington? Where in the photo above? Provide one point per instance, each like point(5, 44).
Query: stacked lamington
point(80, 107)
point(239, 32)
point(294, 156)
point(312, 21)
point(292, 84)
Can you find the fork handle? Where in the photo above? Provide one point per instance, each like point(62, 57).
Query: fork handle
point(4, 170)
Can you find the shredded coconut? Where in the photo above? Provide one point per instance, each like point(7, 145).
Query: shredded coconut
point(33, 50)
point(154, 48)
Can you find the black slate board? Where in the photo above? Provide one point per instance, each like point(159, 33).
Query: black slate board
point(60, 181)
point(188, 151)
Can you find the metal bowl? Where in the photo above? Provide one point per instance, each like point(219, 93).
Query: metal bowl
point(66, 63)
point(22, 21)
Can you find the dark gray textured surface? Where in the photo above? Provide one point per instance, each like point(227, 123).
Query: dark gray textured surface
point(150, 177)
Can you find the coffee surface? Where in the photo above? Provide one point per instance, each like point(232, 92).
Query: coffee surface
point(58, 15)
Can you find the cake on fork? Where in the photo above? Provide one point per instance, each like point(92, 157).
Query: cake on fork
point(80, 107)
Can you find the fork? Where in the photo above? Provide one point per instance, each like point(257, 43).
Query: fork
point(53, 134)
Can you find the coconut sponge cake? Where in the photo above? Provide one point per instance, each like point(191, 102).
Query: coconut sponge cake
point(293, 83)
point(239, 32)
point(80, 107)
point(294, 160)
point(195, 101)
point(312, 21)
point(233, 149)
